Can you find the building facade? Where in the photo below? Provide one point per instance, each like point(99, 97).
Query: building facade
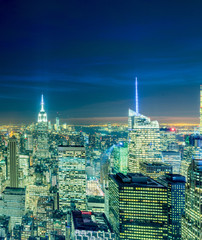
point(42, 146)
point(172, 158)
point(120, 158)
point(155, 170)
point(137, 207)
point(175, 185)
point(192, 220)
point(72, 177)
point(13, 174)
point(144, 141)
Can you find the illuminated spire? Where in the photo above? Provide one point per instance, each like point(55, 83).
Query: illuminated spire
point(42, 116)
point(136, 97)
point(42, 104)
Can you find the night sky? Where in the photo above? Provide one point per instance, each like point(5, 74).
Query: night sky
point(84, 56)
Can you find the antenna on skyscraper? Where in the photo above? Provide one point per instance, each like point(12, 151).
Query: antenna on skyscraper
point(136, 96)
point(42, 103)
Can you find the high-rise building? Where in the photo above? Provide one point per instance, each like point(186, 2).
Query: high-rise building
point(120, 158)
point(29, 142)
point(175, 185)
point(91, 141)
point(12, 162)
point(23, 164)
point(42, 147)
point(137, 207)
point(172, 158)
point(72, 177)
point(42, 116)
point(57, 124)
point(35, 189)
point(105, 167)
point(144, 141)
point(49, 125)
point(187, 156)
point(155, 170)
point(168, 139)
point(12, 204)
point(192, 220)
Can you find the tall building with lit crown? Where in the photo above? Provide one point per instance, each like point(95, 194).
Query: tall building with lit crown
point(72, 177)
point(175, 185)
point(42, 116)
point(192, 220)
point(42, 148)
point(13, 174)
point(137, 207)
point(144, 139)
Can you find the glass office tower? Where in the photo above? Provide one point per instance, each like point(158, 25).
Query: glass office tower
point(72, 177)
point(120, 157)
point(175, 184)
point(144, 141)
point(137, 207)
point(192, 221)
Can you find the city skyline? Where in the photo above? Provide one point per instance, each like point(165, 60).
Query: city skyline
point(84, 58)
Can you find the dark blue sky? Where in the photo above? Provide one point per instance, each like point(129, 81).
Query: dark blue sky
point(84, 56)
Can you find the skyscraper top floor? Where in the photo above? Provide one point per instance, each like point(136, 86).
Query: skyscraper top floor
point(135, 180)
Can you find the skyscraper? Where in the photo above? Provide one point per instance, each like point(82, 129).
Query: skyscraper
point(42, 133)
point(172, 158)
point(175, 185)
point(13, 162)
point(42, 116)
point(137, 207)
point(144, 139)
point(12, 204)
point(187, 156)
point(72, 177)
point(57, 124)
point(192, 220)
point(155, 170)
point(120, 157)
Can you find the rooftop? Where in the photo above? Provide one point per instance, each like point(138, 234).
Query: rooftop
point(14, 191)
point(70, 147)
point(155, 164)
point(198, 164)
point(90, 221)
point(95, 199)
point(174, 178)
point(135, 180)
point(170, 153)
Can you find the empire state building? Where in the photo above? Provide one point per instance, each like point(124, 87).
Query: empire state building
point(42, 147)
point(42, 116)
